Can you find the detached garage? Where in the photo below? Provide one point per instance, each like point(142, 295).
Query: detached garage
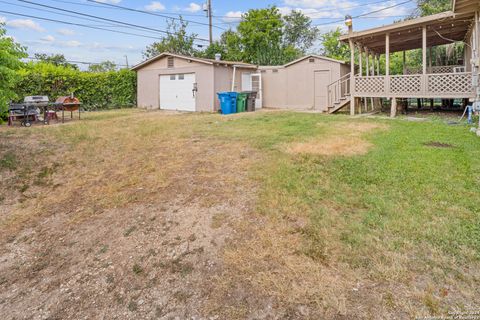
point(301, 84)
point(175, 82)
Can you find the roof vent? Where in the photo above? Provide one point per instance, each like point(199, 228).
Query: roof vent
point(218, 56)
point(311, 60)
point(170, 63)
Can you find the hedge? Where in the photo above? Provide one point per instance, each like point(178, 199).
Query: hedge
point(96, 91)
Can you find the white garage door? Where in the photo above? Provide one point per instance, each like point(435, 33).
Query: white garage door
point(176, 92)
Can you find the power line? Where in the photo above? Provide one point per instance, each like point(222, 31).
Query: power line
point(108, 7)
point(323, 18)
point(57, 13)
point(77, 24)
point(105, 19)
point(366, 14)
point(81, 62)
point(328, 8)
point(149, 13)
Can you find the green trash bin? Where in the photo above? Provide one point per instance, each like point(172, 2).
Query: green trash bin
point(241, 101)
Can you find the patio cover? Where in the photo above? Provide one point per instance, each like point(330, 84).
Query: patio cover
point(442, 28)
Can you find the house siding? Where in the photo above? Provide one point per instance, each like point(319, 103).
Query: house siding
point(148, 79)
point(293, 87)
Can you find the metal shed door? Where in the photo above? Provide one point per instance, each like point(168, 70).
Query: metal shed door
point(177, 92)
point(322, 80)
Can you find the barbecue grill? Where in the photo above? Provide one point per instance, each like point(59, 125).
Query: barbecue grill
point(30, 108)
point(69, 103)
point(33, 106)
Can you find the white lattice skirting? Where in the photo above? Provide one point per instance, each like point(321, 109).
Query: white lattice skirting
point(408, 84)
point(450, 83)
point(371, 84)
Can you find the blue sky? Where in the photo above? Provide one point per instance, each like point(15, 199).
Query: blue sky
point(84, 44)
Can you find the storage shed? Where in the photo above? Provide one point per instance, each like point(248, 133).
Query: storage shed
point(176, 82)
point(301, 84)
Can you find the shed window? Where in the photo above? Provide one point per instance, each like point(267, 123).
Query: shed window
point(170, 63)
point(181, 76)
point(275, 70)
point(311, 60)
point(263, 71)
point(172, 77)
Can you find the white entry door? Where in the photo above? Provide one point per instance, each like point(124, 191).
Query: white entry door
point(253, 82)
point(177, 92)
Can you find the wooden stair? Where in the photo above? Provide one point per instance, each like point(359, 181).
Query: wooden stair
point(340, 104)
point(339, 94)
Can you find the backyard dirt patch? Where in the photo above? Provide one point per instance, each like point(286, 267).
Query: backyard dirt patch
point(118, 221)
point(345, 139)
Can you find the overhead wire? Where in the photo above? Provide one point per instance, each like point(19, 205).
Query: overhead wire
point(82, 62)
point(106, 19)
point(77, 24)
point(150, 13)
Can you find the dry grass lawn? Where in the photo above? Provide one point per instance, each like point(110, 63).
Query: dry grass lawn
point(150, 215)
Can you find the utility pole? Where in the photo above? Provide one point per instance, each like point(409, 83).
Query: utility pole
point(209, 15)
point(126, 60)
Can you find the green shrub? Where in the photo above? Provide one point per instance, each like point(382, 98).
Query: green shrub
point(96, 91)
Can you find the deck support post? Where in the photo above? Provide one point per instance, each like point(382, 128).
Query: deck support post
point(367, 72)
point(387, 68)
point(393, 109)
point(352, 75)
point(360, 65)
point(371, 71)
point(404, 62)
point(424, 57)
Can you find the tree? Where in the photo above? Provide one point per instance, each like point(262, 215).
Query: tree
point(11, 54)
point(104, 66)
point(332, 47)
point(176, 41)
point(261, 33)
point(298, 31)
point(55, 59)
point(229, 46)
point(266, 37)
point(429, 7)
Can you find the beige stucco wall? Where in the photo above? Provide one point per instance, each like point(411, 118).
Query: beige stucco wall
point(148, 78)
point(292, 87)
point(223, 80)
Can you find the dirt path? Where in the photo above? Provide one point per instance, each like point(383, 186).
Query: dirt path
point(141, 246)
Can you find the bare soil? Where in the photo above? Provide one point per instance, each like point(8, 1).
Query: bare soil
point(117, 227)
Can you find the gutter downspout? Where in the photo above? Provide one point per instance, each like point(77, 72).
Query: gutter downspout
point(233, 79)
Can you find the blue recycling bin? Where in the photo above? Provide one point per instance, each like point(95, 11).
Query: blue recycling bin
point(228, 102)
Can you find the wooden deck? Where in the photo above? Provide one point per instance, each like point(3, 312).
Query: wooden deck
point(435, 85)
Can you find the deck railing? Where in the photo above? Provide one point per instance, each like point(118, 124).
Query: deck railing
point(338, 90)
point(438, 85)
point(436, 69)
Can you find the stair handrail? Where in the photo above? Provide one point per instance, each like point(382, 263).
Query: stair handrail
point(338, 89)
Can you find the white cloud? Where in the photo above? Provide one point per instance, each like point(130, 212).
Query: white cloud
point(48, 38)
point(312, 13)
point(232, 16)
point(193, 7)
point(109, 1)
point(320, 4)
point(24, 24)
point(66, 32)
point(155, 6)
point(72, 43)
point(3, 19)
